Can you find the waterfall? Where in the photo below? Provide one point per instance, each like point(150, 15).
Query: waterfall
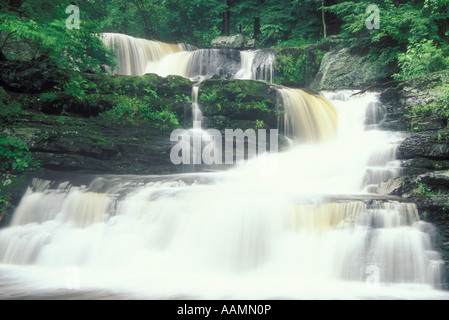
point(307, 117)
point(312, 230)
point(140, 56)
point(197, 114)
point(163, 239)
point(256, 65)
point(135, 54)
point(246, 72)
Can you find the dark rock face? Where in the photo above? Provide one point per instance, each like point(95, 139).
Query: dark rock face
point(30, 77)
point(91, 145)
point(429, 145)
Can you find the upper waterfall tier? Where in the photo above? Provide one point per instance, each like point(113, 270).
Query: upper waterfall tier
point(140, 56)
point(134, 54)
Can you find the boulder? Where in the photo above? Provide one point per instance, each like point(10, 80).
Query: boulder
point(343, 69)
point(237, 41)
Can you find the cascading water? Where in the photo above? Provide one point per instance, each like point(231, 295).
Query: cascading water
point(140, 56)
point(256, 65)
point(312, 228)
point(197, 114)
point(306, 117)
point(135, 54)
point(235, 234)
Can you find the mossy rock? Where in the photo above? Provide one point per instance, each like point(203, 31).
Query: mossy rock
point(148, 84)
point(239, 100)
point(94, 145)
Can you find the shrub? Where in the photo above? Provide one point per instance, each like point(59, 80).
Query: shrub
point(139, 111)
point(15, 155)
point(420, 59)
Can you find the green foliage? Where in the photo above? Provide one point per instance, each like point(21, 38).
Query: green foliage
point(42, 25)
point(5, 207)
point(290, 69)
point(295, 43)
point(199, 21)
point(9, 113)
point(209, 98)
point(420, 59)
point(77, 86)
point(259, 105)
point(69, 49)
point(48, 96)
point(297, 66)
point(281, 20)
point(422, 191)
point(403, 24)
point(14, 155)
point(260, 124)
point(438, 108)
point(10, 110)
point(139, 111)
point(194, 21)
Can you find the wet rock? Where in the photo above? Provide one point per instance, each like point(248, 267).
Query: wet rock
point(429, 145)
point(428, 184)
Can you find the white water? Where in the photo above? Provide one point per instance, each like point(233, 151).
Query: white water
point(248, 233)
point(256, 65)
point(140, 56)
point(302, 224)
point(136, 54)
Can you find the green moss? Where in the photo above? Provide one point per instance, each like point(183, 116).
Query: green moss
point(239, 99)
point(148, 84)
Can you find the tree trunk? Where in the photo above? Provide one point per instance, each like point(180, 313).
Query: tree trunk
point(324, 19)
point(226, 19)
point(257, 24)
point(143, 11)
point(256, 28)
point(146, 28)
